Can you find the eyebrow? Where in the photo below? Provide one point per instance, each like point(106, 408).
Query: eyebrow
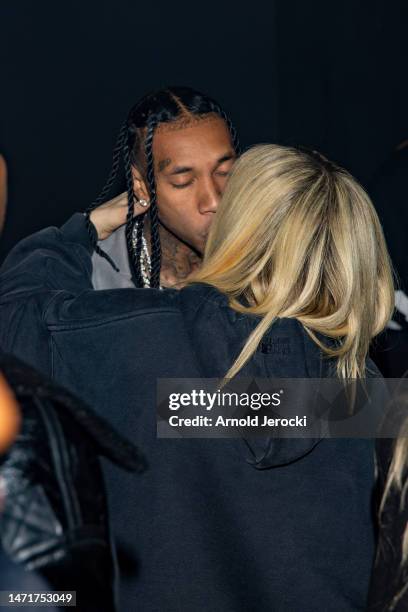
point(186, 169)
point(162, 165)
point(226, 157)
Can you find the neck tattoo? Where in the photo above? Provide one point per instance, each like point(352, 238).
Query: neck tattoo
point(178, 259)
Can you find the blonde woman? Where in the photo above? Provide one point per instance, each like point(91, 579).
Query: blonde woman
point(295, 283)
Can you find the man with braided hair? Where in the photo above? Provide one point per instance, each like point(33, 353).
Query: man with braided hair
point(177, 147)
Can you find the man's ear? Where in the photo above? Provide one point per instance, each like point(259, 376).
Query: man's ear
point(139, 185)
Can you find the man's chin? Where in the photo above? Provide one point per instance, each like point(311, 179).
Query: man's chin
point(200, 246)
point(197, 244)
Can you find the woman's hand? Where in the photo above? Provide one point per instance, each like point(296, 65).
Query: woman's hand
point(111, 215)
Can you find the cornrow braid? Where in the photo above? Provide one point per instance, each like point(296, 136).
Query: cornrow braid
point(133, 252)
point(216, 108)
point(117, 151)
point(155, 246)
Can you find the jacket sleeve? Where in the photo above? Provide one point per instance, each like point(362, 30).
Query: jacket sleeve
point(52, 258)
point(45, 282)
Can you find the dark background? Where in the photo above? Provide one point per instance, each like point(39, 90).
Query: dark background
point(329, 74)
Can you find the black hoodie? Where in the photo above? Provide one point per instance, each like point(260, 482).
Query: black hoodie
point(222, 525)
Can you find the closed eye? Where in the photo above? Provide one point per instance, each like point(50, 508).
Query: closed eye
point(182, 185)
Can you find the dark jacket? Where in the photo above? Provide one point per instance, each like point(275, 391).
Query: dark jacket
point(54, 516)
point(225, 525)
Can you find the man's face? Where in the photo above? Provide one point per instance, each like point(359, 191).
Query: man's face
point(192, 166)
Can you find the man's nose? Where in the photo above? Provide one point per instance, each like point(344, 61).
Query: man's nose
point(210, 196)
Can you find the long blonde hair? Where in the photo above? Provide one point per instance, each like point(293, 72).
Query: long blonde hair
point(396, 483)
point(296, 236)
point(397, 478)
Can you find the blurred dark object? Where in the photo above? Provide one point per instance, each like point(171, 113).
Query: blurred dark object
point(389, 192)
point(54, 515)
